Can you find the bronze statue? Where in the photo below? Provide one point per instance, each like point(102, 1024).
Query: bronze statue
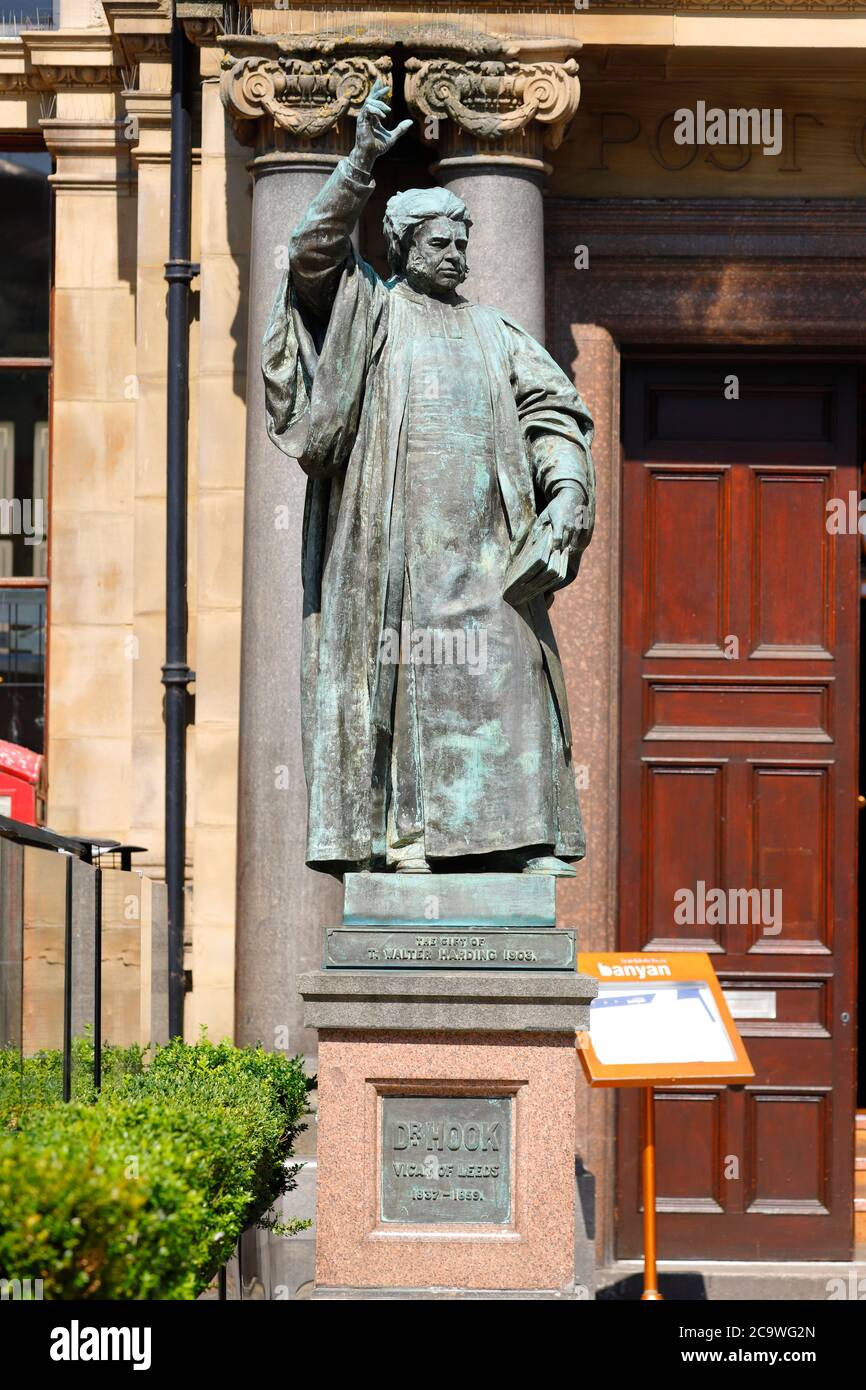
point(449, 465)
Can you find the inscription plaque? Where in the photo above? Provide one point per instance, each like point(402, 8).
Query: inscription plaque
point(414, 948)
point(446, 1159)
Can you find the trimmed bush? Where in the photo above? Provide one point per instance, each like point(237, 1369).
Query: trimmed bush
point(142, 1191)
point(38, 1080)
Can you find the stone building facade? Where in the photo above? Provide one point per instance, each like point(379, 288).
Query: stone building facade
point(593, 227)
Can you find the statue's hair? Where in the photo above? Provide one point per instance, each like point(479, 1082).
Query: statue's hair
point(406, 210)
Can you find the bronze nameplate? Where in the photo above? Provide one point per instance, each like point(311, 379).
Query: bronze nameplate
point(446, 1159)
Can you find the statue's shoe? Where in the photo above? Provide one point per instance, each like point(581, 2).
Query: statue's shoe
point(410, 859)
point(549, 864)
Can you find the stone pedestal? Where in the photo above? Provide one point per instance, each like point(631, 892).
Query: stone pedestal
point(446, 1164)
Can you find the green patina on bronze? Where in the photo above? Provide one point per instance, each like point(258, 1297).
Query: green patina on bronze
point(438, 439)
point(452, 900)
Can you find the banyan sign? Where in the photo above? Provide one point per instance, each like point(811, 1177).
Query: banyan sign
point(446, 1159)
point(659, 1017)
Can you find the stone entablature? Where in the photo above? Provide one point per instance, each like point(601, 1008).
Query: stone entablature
point(731, 7)
point(39, 62)
point(49, 60)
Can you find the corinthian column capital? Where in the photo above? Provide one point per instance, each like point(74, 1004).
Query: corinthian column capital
point(496, 106)
point(297, 102)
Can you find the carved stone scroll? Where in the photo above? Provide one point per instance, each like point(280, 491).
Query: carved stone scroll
point(303, 99)
point(495, 101)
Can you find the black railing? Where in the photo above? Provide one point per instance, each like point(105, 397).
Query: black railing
point(90, 851)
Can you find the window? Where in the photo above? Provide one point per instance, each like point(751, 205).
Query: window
point(25, 377)
point(29, 14)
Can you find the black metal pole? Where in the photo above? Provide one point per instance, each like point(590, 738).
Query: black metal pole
point(176, 675)
point(67, 986)
point(97, 977)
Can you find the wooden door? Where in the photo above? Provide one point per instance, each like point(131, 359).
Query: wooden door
point(739, 749)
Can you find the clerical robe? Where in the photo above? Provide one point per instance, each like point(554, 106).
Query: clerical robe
point(432, 432)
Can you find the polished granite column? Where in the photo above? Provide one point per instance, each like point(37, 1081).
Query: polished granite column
point(494, 117)
point(294, 110)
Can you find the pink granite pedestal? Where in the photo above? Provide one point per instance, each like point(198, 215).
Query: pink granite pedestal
point(434, 1039)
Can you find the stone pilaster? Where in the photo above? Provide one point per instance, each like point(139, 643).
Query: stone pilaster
point(147, 127)
point(220, 393)
point(90, 529)
point(494, 118)
point(294, 110)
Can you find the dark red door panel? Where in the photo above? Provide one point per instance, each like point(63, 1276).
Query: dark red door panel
point(739, 750)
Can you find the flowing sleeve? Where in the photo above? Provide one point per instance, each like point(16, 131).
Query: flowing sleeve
point(557, 427)
point(321, 244)
point(318, 344)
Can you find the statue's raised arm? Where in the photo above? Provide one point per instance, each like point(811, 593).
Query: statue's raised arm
point(320, 245)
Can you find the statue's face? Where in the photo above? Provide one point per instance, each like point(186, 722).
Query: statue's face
point(436, 260)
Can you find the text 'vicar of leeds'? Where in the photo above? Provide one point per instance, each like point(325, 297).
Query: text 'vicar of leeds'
point(451, 491)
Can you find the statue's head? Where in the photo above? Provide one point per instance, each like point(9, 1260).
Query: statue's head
point(426, 232)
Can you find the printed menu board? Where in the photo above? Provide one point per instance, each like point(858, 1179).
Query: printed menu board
point(659, 1018)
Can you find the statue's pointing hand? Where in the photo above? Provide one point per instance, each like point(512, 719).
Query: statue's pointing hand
point(371, 137)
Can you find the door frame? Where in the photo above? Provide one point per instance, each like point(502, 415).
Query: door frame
point(776, 278)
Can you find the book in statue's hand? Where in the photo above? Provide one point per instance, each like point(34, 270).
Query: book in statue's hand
point(536, 567)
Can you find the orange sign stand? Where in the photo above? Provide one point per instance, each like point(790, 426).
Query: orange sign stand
point(658, 1019)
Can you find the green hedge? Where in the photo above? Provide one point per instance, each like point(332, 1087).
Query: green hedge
point(142, 1191)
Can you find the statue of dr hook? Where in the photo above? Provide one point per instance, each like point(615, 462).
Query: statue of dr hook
point(448, 463)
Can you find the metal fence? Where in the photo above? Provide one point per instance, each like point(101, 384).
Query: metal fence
point(29, 14)
point(83, 948)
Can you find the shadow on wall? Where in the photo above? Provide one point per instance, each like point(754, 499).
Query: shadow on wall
point(239, 216)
